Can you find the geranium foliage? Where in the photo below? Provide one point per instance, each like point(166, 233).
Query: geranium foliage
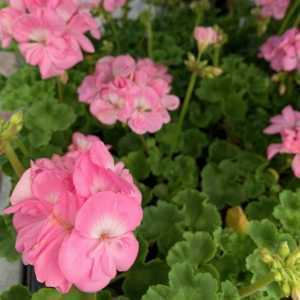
point(221, 220)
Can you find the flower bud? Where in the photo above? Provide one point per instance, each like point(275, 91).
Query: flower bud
point(266, 256)
point(205, 36)
point(237, 219)
point(284, 250)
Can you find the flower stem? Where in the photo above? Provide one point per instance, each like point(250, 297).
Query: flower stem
point(188, 97)
point(115, 33)
point(216, 56)
point(149, 32)
point(22, 147)
point(92, 296)
point(257, 286)
point(288, 17)
point(144, 143)
point(13, 159)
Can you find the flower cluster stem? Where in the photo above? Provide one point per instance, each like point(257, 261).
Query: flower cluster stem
point(13, 159)
point(22, 147)
point(149, 30)
point(144, 143)
point(257, 286)
point(188, 96)
point(288, 17)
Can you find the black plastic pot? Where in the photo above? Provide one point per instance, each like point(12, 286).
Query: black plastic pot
point(29, 279)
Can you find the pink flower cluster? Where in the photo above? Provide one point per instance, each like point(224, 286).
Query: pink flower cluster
point(75, 216)
point(273, 8)
point(205, 36)
point(108, 5)
point(283, 52)
point(51, 33)
point(136, 93)
point(288, 126)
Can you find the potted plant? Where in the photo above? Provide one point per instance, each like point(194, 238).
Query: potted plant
point(153, 154)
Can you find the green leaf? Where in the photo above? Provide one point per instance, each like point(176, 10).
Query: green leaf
point(196, 147)
point(52, 294)
point(45, 118)
point(158, 292)
point(17, 292)
point(234, 181)
point(203, 115)
point(288, 211)
point(137, 163)
point(183, 276)
point(141, 277)
point(265, 234)
point(174, 171)
point(129, 143)
point(229, 291)
point(104, 295)
point(156, 225)
point(235, 107)
point(7, 239)
point(220, 150)
point(16, 96)
point(234, 248)
point(214, 90)
point(199, 215)
point(261, 209)
point(167, 137)
point(197, 249)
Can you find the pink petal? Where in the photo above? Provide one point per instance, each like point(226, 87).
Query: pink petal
point(22, 190)
point(75, 252)
point(108, 213)
point(274, 149)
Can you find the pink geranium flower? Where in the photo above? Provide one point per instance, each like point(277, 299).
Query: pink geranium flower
point(136, 93)
point(103, 239)
point(50, 34)
point(205, 36)
point(283, 51)
point(112, 5)
point(147, 114)
point(288, 126)
point(59, 215)
point(273, 8)
point(7, 19)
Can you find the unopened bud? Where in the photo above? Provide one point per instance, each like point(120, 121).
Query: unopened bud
point(266, 256)
point(211, 72)
point(282, 89)
point(236, 219)
point(284, 250)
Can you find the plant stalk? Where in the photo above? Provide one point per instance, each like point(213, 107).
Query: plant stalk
point(257, 286)
point(13, 159)
point(22, 147)
point(149, 31)
point(188, 97)
point(144, 143)
point(288, 17)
